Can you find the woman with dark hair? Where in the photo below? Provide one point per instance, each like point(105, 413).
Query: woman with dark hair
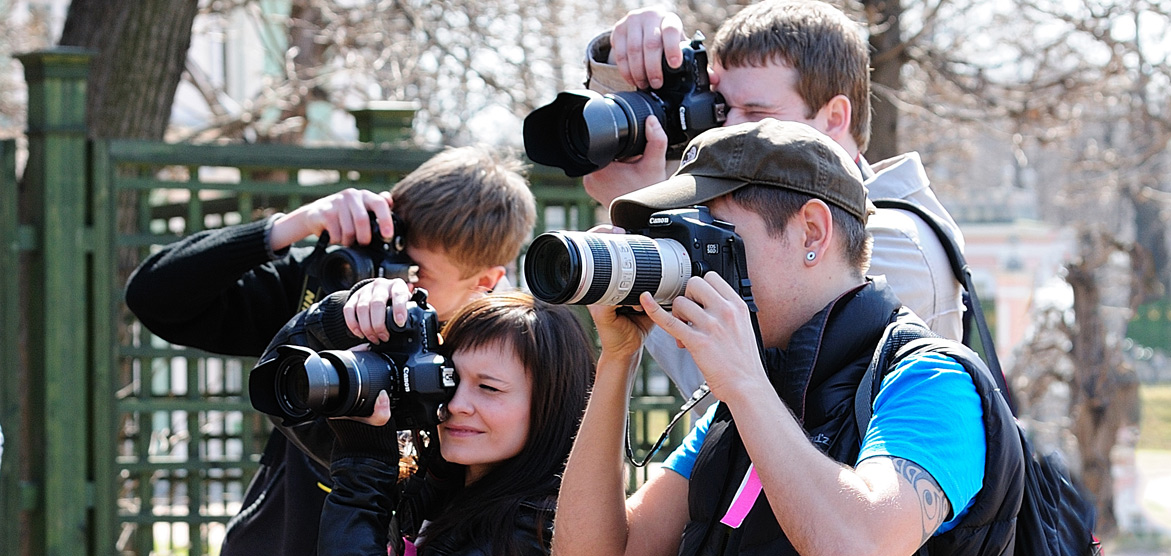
point(525, 368)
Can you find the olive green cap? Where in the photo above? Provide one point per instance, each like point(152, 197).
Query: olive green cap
point(770, 152)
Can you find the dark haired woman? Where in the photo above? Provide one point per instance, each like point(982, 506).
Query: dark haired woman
point(524, 369)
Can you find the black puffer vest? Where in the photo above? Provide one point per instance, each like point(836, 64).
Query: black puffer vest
point(817, 378)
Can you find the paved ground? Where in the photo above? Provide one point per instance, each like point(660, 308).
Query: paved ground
point(1155, 469)
point(1143, 504)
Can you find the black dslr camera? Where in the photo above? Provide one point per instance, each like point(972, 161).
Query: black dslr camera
point(338, 268)
point(298, 383)
point(581, 130)
point(613, 269)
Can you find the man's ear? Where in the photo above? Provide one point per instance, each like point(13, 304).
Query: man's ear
point(817, 223)
point(487, 279)
point(837, 114)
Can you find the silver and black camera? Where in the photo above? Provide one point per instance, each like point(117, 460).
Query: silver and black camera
point(300, 383)
point(582, 131)
point(587, 268)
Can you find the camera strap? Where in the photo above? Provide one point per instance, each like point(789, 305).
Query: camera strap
point(697, 396)
point(311, 283)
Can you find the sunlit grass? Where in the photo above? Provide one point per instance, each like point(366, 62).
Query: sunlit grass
point(1155, 428)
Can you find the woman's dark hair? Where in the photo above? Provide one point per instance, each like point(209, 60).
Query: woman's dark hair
point(558, 357)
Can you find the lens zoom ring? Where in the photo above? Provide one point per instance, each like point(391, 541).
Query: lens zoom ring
point(600, 281)
point(648, 269)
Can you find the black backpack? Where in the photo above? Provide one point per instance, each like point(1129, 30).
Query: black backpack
point(1056, 516)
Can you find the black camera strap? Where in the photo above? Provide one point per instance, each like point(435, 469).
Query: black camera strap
point(311, 283)
point(699, 394)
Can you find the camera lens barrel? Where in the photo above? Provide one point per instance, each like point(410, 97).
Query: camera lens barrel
point(342, 268)
point(304, 384)
point(334, 383)
point(614, 126)
point(582, 131)
point(297, 383)
point(586, 268)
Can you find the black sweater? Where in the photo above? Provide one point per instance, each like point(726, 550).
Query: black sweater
point(219, 290)
point(224, 291)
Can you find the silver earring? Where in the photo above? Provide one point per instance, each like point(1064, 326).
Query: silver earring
point(810, 256)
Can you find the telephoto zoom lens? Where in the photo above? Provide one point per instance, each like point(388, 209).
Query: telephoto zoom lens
point(584, 268)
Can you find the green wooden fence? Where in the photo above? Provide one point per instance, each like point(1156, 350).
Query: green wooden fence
point(118, 442)
point(14, 240)
point(1151, 325)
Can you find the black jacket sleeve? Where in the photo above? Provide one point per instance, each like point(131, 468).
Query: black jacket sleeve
point(532, 533)
point(218, 290)
point(358, 510)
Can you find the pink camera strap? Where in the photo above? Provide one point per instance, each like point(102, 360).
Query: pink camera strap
point(745, 497)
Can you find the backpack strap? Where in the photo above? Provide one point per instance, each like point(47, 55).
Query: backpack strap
point(963, 274)
point(896, 335)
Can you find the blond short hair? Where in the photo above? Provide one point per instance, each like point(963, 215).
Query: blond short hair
point(472, 203)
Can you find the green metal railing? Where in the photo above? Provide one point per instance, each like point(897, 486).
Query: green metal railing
point(1151, 325)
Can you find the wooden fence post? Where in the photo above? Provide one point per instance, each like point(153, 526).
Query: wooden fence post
point(11, 500)
point(385, 121)
point(59, 412)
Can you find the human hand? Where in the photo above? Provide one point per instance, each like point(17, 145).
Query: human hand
point(381, 415)
point(619, 333)
point(714, 324)
point(639, 42)
point(345, 215)
point(366, 436)
point(366, 309)
point(623, 176)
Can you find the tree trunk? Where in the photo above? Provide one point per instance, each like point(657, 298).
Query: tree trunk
point(306, 31)
point(141, 51)
point(886, 78)
point(1151, 231)
point(1104, 388)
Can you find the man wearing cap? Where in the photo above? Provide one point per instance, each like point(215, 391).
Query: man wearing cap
point(779, 467)
point(799, 60)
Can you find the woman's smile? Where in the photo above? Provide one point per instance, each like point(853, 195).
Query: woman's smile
point(488, 417)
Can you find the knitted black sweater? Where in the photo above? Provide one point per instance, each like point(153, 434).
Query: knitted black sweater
point(220, 290)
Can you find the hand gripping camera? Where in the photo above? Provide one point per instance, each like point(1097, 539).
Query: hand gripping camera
point(300, 383)
point(337, 268)
point(613, 269)
point(582, 131)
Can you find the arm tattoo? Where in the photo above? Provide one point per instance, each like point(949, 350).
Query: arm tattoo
point(933, 505)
